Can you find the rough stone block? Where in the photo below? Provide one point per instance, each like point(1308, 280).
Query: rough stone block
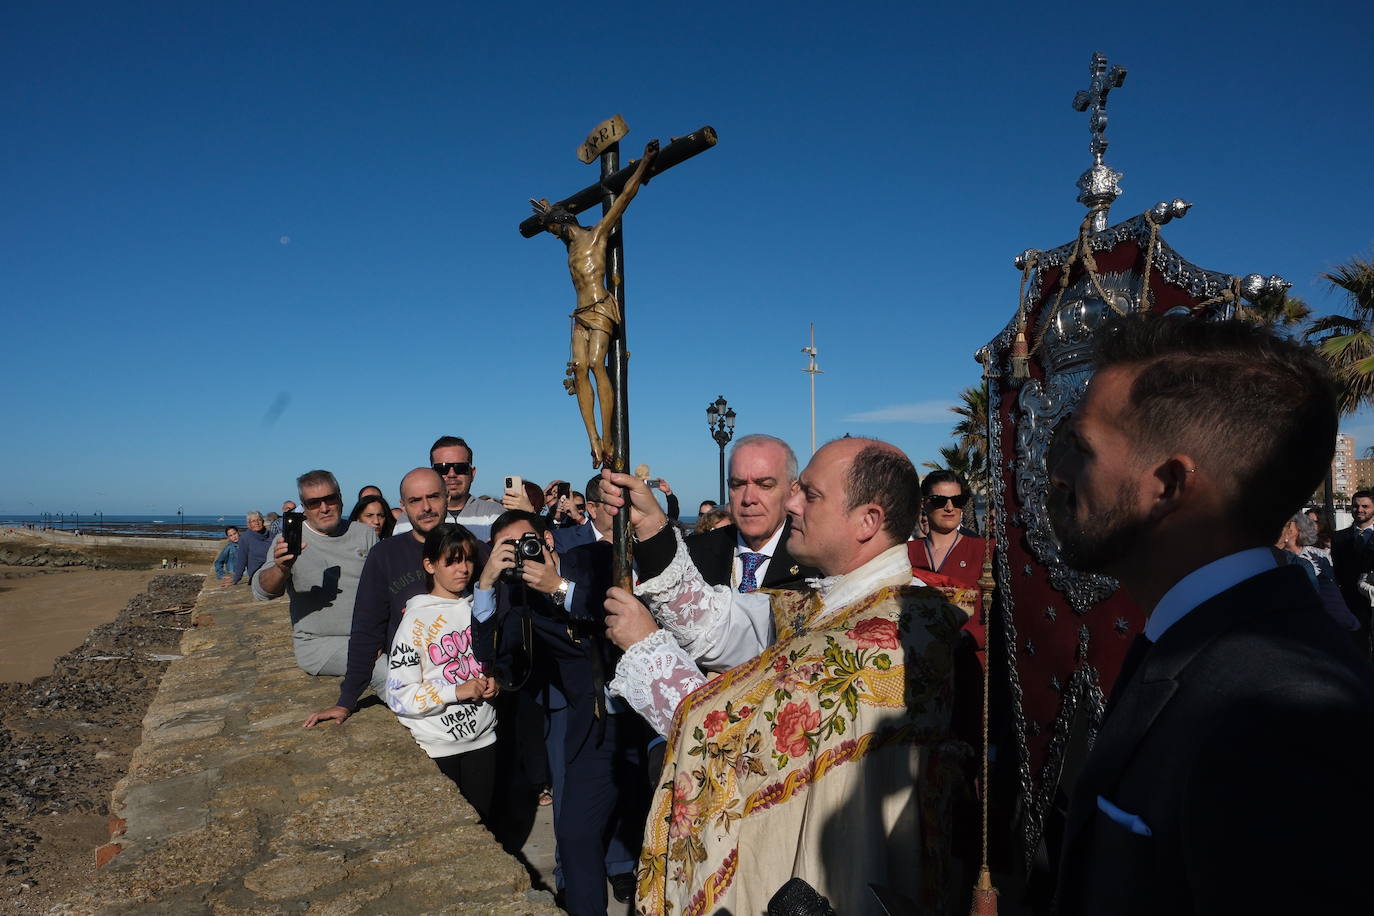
point(297, 875)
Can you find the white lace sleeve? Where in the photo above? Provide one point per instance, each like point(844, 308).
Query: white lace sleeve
point(718, 627)
point(653, 676)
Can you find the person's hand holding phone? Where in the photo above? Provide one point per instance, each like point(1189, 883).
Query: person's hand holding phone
point(515, 496)
point(283, 556)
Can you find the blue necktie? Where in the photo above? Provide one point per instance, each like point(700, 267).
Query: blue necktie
point(749, 564)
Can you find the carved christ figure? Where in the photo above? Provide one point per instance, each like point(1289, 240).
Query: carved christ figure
point(598, 310)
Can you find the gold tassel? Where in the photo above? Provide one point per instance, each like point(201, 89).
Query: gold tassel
point(1020, 357)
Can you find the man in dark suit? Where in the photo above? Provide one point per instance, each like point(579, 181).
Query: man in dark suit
point(552, 617)
point(1352, 554)
point(1230, 773)
point(752, 553)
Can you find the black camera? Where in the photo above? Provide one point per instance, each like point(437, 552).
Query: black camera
point(528, 549)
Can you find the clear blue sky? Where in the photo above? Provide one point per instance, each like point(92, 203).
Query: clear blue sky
point(212, 209)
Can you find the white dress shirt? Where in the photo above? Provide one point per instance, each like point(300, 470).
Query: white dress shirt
point(1205, 583)
point(768, 549)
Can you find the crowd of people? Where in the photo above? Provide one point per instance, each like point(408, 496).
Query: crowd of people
point(793, 690)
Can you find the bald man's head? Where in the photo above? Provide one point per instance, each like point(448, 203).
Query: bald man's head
point(855, 499)
point(424, 499)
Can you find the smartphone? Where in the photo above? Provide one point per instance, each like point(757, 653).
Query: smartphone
point(515, 485)
point(564, 488)
point(291, 532)
point(652, 483)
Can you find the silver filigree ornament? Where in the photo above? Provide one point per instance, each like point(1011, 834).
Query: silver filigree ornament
point(1100, 185)
point(1066, 355)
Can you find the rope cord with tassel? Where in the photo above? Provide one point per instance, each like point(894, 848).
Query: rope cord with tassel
point(984, 892)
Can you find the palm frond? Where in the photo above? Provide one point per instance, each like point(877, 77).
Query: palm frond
point(1356, 279)
point(1332, 323)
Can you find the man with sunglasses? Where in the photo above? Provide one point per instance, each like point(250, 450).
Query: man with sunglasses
point(451, 459)
point(392, 575)
point(323, 580)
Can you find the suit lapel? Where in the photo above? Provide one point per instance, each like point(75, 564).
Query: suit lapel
point(781, 568)
point(723, 557)
point(1157, 679)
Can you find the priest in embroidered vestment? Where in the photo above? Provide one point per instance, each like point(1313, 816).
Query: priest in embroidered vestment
point(823, 750)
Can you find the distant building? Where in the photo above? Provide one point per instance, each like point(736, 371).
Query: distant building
point(1364, 473)
point(1343, 469)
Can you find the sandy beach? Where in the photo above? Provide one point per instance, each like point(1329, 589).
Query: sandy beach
point(45, 614)
point(48, 610)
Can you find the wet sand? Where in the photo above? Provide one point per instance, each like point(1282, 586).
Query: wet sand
point(44, 614)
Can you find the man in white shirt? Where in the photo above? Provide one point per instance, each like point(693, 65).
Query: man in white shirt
point(451, 459)
point(752, 553)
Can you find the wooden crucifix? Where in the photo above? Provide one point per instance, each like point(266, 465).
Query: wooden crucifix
point(596, 262)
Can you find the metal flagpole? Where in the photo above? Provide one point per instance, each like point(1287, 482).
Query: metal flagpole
point(813, 370)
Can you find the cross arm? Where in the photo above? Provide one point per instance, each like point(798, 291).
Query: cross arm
point(680, 150)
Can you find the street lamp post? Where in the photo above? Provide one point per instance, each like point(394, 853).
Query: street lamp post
point(720, 420)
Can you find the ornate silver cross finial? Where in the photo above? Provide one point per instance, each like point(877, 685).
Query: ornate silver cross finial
point(1098, 187)
point(1104, 81)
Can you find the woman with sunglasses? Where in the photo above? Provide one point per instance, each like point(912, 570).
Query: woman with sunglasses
point(949, 549)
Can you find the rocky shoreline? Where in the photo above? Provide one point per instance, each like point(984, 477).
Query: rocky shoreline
point(67, 738)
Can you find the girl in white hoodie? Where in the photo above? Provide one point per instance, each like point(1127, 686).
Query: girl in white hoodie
point(436, 688)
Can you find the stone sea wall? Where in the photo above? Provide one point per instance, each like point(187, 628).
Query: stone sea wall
point(229, 806)
point(63, 549)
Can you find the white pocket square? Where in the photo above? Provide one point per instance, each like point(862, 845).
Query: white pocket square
point(1131, 822)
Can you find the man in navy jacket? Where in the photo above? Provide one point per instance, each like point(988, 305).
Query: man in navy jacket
point(1230, 772)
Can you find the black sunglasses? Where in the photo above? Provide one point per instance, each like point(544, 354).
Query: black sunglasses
point(938, 502)
point(314, 502)
point(457, 467)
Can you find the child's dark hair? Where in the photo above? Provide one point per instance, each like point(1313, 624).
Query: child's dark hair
point(449, 541)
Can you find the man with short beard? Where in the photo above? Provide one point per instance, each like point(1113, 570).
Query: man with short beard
point(392, 576)
point(451, 458)
point(1240, 731)
point(1352, 554)
point(823, 750)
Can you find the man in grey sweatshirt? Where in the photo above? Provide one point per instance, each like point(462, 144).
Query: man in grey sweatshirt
point(323, 581)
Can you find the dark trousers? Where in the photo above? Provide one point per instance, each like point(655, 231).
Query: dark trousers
point(587, 810)
point(474, 773)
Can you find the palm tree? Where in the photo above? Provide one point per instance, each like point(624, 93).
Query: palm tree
point(971, 436)
point(1282, 313)
point(952, 458)
point(971, 432)
point(1347, 341)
